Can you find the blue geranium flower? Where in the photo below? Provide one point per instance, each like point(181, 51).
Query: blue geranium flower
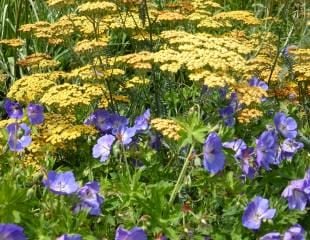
point(285, 125)
point(90, 199)
point(70, 237)
point(266, 149)
point(296, 232)
point(35, 113)
point(271, 236)
point(256, 211)
point(297, 193)
point(11, 232)
point(135, 233)
point(13, 109)
point(103, 147)
point(213, 156)
point(61, 183)
point(142, 121)
point(19, 136)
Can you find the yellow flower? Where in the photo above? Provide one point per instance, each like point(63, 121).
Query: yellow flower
point(167, 127)
point(59, 3)
point(14, 42)
point(90, 46)
point(33, 59)
point(247, 115)
point(98, 8)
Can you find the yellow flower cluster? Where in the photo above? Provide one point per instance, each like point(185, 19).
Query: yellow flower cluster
point(248, 94)
point(167, 127)
point(247, 115)
point(45, 64)
point(136, 81)
point(98, 8)
point(67, 96)
point(14, 42)
point(287, 91)
point(31, 88)
point(59, 130)
point(169, 16)
point(33, 59)
point(90, 73)
point(90, 46)
point(59, 3)
point(302, 65)
point(244, 17)
point(3, 77)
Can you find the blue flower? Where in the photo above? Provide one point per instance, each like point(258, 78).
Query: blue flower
point(35, 113)
point(256, 211)
point(100, 119)
point(227, 114)
point(256, 82)
point(11, 232)
point(243, 154)
point(295, 195)
point(13, 109)
point(288, 149)
point(213, 156)
point(296, 232)
point(287, 126)
point(70, 237)
point(61, 183)
point(103, 147)
point(142, 121)
point(271, 236)
point(90, 197)
point(118, 122)
point(135, 233)
point(125, 134)
point(266, 149)
point(19, 136)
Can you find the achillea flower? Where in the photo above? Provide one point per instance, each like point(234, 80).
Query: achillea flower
point(11, 232)
point(271, 236)
point(135, 233)
point(35, 113)
point(13, 109)
point(70, 237)
point(61, 183)
point(256, 211)
point(103, 147)
point(287, 126)
point(266, 149)
point(19, 136)
point(90, 198)
point(167, 127)
point(214, 158)
point(142, 121)
point(296, 232)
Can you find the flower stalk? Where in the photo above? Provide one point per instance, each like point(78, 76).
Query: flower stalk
point(179, 182)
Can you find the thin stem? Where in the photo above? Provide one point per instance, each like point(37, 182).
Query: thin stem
point(126, 162)
point(179, 182)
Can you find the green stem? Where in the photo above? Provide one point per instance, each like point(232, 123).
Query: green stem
point(179, 182)
point(126, 162)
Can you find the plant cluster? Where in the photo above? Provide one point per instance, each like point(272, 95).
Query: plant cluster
point(147, 119)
